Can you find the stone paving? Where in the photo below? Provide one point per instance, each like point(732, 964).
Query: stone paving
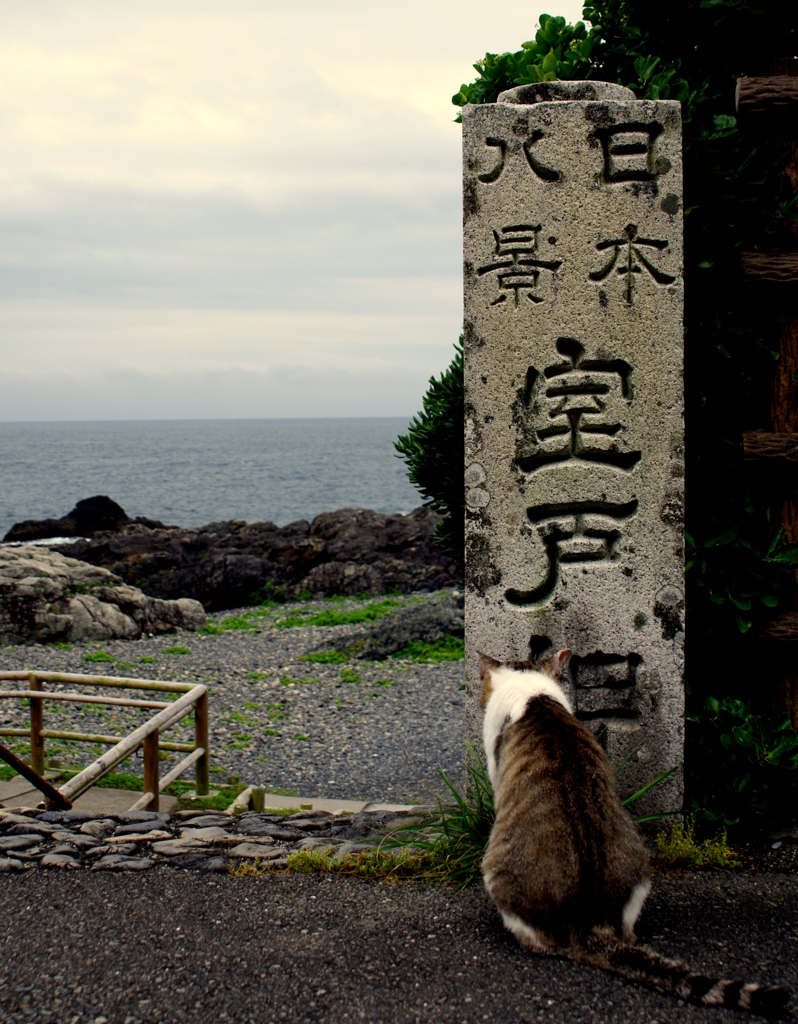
point(209, 841)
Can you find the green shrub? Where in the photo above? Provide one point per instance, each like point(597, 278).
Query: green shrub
point(98, 656)
point(743, 765)
point(433, 449)
point(178, 649)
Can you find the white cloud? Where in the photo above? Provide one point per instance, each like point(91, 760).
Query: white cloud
point(233, 196)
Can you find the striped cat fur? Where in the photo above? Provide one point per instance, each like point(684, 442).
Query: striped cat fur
point(565, 864)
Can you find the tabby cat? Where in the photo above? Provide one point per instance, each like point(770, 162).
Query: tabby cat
point(565, 864)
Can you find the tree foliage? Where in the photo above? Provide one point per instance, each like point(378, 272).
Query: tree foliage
point(433, 450)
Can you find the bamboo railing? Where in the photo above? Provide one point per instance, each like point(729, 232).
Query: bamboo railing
point(194, 697)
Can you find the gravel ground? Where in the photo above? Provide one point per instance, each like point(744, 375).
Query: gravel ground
point(278, 721)
point(175, 946)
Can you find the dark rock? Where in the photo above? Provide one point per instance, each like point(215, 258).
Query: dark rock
point(136, 817)
point(141, 827)
point(190, 861)
point(65, 817)
point(115, 862)
point(232, 564)
point(89, 516)
point(214, 865)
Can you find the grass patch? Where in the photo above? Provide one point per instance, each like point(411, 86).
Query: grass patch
point(370, 613)
point(244, 622)
point(450, 648)
point(679, 849)
point(384, 682)
point(348, 675)
point(98, 656)
point(178, 649)
point(6, 772)
point(147, 660)
point(301, 736)
point(270, 732)
point(250, 706)
point(62, 645)
point(288, 681)
point(257, 676)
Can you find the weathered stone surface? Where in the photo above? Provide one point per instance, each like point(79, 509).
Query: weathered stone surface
point(10, 864)
point(223, 565)
point(251, 850)
point(46, 596)
point(58, 860)
point(17, 843)
point(116, 862)
point(574, 436)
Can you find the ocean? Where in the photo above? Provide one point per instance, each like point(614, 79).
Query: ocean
point(191, 472)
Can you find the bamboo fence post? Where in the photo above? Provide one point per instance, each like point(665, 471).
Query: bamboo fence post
point(151, 769)
point(36, 726)
point(202, 776)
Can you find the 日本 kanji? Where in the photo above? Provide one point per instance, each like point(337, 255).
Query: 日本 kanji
point(628, 250)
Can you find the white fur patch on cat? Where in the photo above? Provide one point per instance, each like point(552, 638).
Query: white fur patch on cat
point(511, 691)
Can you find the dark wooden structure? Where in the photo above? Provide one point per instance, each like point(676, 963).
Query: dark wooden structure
point(770, 104)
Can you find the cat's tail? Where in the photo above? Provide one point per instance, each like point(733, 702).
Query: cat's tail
point(643, 965)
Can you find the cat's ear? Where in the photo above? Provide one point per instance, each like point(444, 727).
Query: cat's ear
point(486, 664)
point(556, 663)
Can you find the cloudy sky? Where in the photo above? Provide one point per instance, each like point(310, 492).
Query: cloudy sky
point(239, 208)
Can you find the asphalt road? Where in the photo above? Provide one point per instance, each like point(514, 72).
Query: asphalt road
point(178, 946)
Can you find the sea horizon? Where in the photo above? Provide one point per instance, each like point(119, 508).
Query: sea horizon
point(191, 472)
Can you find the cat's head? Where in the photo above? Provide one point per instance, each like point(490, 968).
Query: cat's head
point(552, 667)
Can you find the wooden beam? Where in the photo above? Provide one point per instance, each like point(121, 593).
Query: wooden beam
point(774, 267)
point(783, 627)
point(770, 448)
point(767, 94)
point(57, 801)
point(125, 747)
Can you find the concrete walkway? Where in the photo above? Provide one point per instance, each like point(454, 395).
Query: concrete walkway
point(177, 946)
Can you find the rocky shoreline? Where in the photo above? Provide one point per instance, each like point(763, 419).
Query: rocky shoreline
point(235, 563)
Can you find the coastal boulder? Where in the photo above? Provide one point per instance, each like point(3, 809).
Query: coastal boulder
point(235, 563)
point(46, 596)
point(89, 516)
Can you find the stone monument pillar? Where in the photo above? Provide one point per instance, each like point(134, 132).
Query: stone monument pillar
point(572, 213)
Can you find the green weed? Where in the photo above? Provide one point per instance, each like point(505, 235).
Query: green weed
point(450, 648)
point(384, 682)
point(98, 656)
point(176, 650)
point(370, 613)
point(678, 848)
point(348, 675)
point(147, 660)
point(257, 675)
point(62, 646)
point(300, 736)
point(270, 732)
point(288, 681)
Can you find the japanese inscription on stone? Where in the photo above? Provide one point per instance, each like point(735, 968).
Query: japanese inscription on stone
point(574, 437)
